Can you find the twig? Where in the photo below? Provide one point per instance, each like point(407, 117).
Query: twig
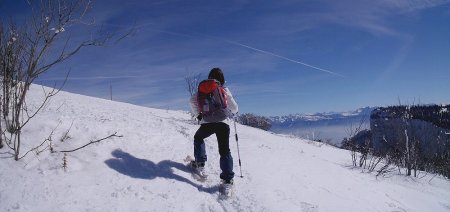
point(66, 134)
point(93, 142)
point(432, 178)
point(426, 173)
point(37, 147)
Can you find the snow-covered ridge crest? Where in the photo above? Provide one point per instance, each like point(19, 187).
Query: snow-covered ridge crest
point(320, 116)
point(144, 170)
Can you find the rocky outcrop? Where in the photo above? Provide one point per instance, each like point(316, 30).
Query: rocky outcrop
point(428, 126)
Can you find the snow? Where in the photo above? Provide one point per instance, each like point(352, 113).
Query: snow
point(60, 29)
point(144, 170)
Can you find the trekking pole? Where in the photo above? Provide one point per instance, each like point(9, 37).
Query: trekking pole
point(237, 142)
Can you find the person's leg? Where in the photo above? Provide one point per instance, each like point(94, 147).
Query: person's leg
point(222, 131)
point(203, 132)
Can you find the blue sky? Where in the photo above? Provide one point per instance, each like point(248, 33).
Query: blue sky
point(279, 57)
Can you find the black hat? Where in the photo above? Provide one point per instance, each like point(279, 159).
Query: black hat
point(217, 74)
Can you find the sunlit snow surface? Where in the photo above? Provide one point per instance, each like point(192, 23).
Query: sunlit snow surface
point(144, 170)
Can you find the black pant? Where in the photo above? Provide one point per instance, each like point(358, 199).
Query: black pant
point(222, 132)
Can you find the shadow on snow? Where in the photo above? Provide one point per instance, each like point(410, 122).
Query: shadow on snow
point(131, 166)
point(7, 155)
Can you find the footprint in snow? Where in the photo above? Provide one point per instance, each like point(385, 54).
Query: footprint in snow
point(306, 207)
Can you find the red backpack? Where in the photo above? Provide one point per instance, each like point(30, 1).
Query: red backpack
point(212, 101)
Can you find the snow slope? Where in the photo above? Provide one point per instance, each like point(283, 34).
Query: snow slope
point(144, 170)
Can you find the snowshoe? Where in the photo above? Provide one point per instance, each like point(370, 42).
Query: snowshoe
point(197, 169)
point(226, 189)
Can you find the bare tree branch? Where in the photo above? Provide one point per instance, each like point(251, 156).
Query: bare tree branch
point(192, 79)
point(93, 142)
point(49, 138)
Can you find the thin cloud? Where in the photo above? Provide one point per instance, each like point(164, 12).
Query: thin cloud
point(87, 78)
point(411, 5)
point(399, 58)
point(374, 16)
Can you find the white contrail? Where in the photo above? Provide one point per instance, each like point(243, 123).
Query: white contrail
point(241, 45)
point(88, 78)
point(283, 57)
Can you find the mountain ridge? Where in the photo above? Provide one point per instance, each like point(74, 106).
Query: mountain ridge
point(330, 126)
point(320, 115)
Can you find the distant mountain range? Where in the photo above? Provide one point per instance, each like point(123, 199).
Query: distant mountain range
point(330, 127)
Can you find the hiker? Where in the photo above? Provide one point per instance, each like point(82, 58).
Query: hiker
point(214, 123)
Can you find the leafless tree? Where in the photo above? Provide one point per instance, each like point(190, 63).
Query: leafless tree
point(351, 144)
point(404, 138)
point(256, 121)
point(192, 80)
point(32, 48)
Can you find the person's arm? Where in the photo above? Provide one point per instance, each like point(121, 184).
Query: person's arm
point(231, 103)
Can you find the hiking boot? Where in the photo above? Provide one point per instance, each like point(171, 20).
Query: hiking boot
point(228, 182)
point(199, 169)
point(227, 188)
point(196, 165)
